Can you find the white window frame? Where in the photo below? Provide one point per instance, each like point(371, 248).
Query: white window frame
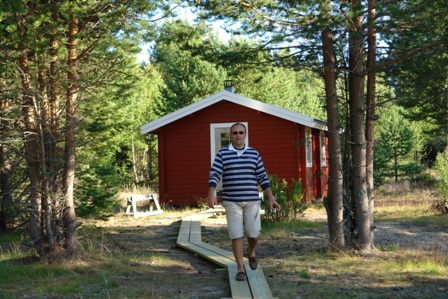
point(323, 149)
point(213, 126)
point(309, 147)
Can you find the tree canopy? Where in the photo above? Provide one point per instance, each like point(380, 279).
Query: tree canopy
point(59, 56)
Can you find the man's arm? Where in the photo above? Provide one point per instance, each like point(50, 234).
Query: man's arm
point(211, 197)
point(272, 202)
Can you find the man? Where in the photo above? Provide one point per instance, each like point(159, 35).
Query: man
point(242, 170)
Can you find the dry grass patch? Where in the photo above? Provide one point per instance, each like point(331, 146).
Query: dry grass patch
point(125, 257)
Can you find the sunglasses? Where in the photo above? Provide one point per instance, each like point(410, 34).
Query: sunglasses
point(238, 132)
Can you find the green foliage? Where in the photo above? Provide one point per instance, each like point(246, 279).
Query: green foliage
point(299, 91)
point(178, 54)
point(99, 107)
point(10, 237)
point(194, 64)
point(424, 180)
point(187, 79)
point(110, 137)
point(432, 148)
point(441, 167)
point(288, 196)
point(255, 75)
point(97, 194)
point(304, 274)
point(296, 196)
point(396, 138)
point(420, 83)
point(389, 248)
point(112, 152)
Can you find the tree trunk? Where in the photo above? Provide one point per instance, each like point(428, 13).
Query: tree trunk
point(370, 117)
point(152, 169)
point(357, 125)
point(6, 200)
point(334, 201)
point(54, 97)
point(6, 218)
point(134, 162)
point(47, 205)
point(31, 145)
point(69, 215)
point(395, 146)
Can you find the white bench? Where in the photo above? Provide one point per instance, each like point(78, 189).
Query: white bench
point(152, 199)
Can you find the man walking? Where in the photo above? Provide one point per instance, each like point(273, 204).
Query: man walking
point(242, 171)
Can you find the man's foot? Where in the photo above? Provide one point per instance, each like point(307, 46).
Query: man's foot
point(240, 276)
point(253, 263)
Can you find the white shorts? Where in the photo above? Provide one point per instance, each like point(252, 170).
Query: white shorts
point(243, 216)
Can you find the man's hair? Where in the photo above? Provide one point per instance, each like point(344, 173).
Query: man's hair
point(238, 124)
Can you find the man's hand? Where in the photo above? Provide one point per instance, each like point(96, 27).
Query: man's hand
point(212, 202)
point(274, 204)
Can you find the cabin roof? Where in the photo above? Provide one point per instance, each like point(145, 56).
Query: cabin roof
point(237, 99)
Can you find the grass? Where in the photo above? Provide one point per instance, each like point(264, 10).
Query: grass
point(396, 274)
point(393, 272)
point(299, 264)
point(414, 206)
point(98, 274)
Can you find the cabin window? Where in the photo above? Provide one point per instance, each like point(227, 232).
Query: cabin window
point(220, 138)
point(309, 147)
point(323, 150)
point(225, 139)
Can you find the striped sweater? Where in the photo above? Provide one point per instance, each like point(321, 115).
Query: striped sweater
point(241, 174)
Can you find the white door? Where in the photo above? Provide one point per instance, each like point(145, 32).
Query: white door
point(219, 137)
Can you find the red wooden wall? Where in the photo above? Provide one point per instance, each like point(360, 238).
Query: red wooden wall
point(184, 151)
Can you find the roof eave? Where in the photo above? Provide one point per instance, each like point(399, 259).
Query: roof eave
point(237, 99)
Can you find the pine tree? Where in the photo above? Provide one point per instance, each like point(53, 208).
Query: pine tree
point(59, 53)
point(187, 76)
point(396, 140)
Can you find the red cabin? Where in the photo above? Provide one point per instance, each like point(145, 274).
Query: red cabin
point(292, 145)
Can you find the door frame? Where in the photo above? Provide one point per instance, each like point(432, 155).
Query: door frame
point(214, 150)
point(213, 126)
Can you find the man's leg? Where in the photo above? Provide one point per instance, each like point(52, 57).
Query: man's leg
point(252, 244)
point(237, 248)
point(252, 223)
point(253, 263)
point(234, 215)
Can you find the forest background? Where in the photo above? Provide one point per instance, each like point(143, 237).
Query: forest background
point(73, 93)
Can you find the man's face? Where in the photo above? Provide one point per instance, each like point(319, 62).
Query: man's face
point(238, 136)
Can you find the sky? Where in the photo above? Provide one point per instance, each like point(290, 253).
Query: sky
point(186, 14)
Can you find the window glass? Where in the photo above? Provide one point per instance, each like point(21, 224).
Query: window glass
point(309, 147)
point(225, 138)
point(323, 150)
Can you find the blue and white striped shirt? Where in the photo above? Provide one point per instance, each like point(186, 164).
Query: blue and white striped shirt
point(241, 173)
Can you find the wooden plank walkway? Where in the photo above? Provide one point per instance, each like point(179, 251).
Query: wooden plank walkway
point(189, 238)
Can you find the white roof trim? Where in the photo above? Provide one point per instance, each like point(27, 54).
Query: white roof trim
point(237, 99)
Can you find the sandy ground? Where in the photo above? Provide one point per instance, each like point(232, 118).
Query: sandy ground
point(194, 277)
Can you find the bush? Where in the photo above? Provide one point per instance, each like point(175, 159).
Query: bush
point(97, 192)
point(441, 166)
point(289, 197)
point(424, 180)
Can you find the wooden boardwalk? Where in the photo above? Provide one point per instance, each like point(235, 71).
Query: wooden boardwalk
point(189, 238)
